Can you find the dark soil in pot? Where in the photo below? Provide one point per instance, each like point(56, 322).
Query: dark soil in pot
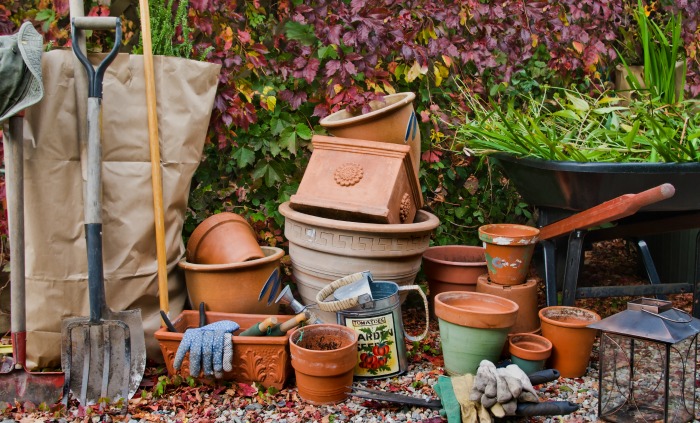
point(327, 340)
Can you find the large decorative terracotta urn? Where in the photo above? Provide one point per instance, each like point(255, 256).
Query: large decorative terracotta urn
point(324, 250)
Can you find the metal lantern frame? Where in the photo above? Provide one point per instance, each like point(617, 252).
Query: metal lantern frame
point(648, 364)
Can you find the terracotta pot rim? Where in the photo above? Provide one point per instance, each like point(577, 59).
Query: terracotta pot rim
point(426, 256)
point(504, 318)
point(342, 328)
point(490, 234)
point(485, 280)
point(542, 351)
point(425, 222)
point(579, 323)
point(275, 254)
point(334, 120)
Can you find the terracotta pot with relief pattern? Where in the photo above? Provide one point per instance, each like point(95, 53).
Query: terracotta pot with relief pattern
point(359, 181)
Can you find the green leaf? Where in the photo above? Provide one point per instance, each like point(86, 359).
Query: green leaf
point(244, 157)
point(605, 110)
point(45, 15)
point(303, 131)
point(577, 102)
point(300, 32)
point(567, 114)
point(327, 51)
point(288, 139)
point(270, 172)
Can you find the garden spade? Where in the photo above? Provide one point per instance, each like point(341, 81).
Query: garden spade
point(103, 356)
point(19, 384)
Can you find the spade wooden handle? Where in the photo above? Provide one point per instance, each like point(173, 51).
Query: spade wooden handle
point(617, 208)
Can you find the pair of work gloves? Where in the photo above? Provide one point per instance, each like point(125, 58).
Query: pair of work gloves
point(492, 392)
point(210, 348)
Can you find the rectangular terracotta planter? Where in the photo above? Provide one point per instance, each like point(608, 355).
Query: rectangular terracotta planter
point(359, 181)
point(262, 359)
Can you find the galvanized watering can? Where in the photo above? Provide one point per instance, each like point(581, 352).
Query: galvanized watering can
point(373, 309)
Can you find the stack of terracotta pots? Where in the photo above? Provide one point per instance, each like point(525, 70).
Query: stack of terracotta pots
point(226, 268)
point(508, 251)
point(358, 204)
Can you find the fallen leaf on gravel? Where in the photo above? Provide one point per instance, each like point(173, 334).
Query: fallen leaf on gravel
point(246, 390)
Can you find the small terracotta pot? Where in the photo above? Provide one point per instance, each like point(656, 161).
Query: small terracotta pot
point(233, 287)
point(509, 249)
point(572, 341)
point(529, 351)
point(223, 238)
point(473, 327)
point(392, 120)
point(324, 358)
point(453, 267)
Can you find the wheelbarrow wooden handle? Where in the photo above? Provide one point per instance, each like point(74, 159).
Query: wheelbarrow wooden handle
point(617, 208)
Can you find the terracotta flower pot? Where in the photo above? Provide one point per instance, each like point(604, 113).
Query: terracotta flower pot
point(529, 351)
point(524, 295)
point(453, 268)
point(233, 287)
point(262, 359)
point(223, 238)
point(473, 327)
point(324, 250)
point(572, 341)
point(509, 249)
point(392, 120)
point(324, 358)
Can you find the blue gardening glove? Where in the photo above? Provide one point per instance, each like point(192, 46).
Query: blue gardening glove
point(207, 346)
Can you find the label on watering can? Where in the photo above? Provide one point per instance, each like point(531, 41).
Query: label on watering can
point(376, 348)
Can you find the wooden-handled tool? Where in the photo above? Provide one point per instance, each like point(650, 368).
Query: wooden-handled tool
point(261, 328)
point(156, 178)
point(284, 327)
point(617, 208)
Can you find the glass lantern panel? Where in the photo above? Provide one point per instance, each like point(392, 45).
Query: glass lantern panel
point(633, 379)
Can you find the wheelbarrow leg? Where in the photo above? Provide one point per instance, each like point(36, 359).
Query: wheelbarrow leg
point(648, 263)
point(573, 266)
point(696, 279)
point(549, 255)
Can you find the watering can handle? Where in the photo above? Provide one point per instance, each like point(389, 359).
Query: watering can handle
point(427, 315)
point(338, 305)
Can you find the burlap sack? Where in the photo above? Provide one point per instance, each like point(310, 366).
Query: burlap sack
point(56, 260)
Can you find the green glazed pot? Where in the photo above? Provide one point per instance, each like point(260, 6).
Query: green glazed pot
point(473, 327)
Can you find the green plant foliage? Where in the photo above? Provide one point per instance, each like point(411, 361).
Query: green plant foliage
point(170, 31)
point(570, 125)
point(661, 51)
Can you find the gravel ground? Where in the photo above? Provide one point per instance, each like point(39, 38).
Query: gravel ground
point(244, 403)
